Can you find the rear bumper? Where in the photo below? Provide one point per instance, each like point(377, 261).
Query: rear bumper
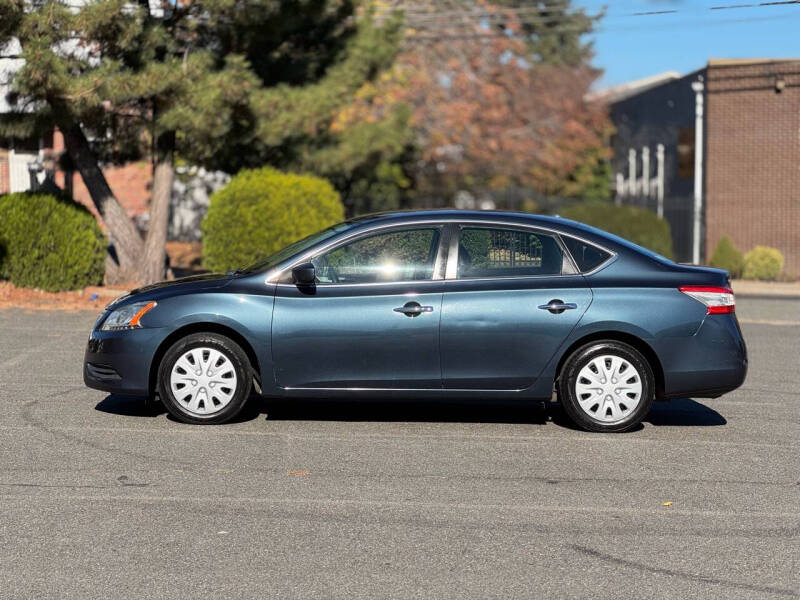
point(119, 361)
point(710, 363)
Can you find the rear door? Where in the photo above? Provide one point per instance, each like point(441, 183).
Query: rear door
point(511, 298)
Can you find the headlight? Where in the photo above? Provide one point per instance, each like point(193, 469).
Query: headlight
point(127, 317)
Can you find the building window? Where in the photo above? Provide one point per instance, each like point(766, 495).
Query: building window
point(686, 153)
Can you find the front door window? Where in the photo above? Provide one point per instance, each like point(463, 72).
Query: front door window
point(391, 257)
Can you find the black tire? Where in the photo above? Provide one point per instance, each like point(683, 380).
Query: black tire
point(580, 359)
point(238, 359)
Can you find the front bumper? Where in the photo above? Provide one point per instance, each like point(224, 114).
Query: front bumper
point(119, 362)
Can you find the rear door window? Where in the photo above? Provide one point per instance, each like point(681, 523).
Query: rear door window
point(495, 252)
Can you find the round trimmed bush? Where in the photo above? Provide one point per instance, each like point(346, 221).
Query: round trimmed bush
point(49, 242)
point(637, 225)
point(262, 211)
point(727, 256)
point(763, 262)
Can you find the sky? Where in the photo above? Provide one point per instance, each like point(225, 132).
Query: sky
point(629, 46)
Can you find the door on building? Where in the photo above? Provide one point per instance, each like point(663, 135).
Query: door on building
point(22, 154)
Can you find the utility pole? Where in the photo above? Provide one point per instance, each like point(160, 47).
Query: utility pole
point(646, 172)
point(660, 179)
point(632, 187)
point(698, 87)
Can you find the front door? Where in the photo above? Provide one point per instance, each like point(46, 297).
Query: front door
point(508, 306)
point(371, 320)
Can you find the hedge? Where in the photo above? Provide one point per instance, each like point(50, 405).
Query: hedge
point(49, 242)
point(727, 256)
point(262, 211)
point(634, 224)
point(763, 262)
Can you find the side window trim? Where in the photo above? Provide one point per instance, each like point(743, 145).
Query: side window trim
point(455, 238)
point(439, 262)
point(453, 235)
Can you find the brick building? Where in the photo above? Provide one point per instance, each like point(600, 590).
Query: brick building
point(749, 161)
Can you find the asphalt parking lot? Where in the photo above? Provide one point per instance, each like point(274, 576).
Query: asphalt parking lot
point(104, 496)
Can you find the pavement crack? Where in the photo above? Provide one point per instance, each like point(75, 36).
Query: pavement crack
point(67, 486)
point(586, 551)
point(28, 417)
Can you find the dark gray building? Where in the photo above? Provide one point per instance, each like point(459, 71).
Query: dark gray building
point(716, 152)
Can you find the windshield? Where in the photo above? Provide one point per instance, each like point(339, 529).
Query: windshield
point(296, 248)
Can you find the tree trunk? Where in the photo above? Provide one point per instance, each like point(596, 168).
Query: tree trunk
point(125, 238)
point(154, 257)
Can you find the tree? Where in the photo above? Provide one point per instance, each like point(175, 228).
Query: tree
point(554, 32)
point(221, 83)
point(496, 98)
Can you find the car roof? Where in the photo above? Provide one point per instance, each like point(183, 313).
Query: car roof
point(434, 215)
point(416, 215)
point(556, 223)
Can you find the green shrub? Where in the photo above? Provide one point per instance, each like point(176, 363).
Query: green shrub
point(262, 211)
point(49, 242)
point(727, 256)
point(763, 262)
point(634, 224)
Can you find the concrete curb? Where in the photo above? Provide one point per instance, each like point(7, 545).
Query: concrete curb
point(766, 290)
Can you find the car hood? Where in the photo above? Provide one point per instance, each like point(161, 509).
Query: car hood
point(175, 287)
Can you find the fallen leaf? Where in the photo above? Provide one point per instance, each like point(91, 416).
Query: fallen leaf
point(667, 503)
point(299, 472)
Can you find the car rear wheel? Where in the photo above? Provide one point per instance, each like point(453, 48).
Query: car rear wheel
point(606, 386)
point(204, 378)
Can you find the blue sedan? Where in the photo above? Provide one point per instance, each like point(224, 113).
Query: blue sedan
point(431, 304)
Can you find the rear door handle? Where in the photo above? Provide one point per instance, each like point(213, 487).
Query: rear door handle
point(557, 306)
point(413, 309)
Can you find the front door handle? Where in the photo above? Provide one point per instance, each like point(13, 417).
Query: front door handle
point(557, 306)
point(413, 309)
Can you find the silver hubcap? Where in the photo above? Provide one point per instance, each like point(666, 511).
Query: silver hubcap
point(608, 388)
point(203, 381)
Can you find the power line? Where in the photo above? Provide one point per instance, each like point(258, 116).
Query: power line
point(480, 13)
point(536, 16)
point(498, 20)
point(417, 8)
point(424, 15)
point(573, 29)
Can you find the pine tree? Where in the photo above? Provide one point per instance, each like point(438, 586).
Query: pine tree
point(219, 83)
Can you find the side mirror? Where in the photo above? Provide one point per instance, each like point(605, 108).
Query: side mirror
point(304, 274)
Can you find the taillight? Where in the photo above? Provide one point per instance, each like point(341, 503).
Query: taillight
point(718, 300)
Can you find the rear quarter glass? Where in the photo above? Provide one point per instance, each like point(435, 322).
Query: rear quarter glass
point(587, 257)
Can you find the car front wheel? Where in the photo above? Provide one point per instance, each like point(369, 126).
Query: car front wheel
point(204, 378)
point(607, 386)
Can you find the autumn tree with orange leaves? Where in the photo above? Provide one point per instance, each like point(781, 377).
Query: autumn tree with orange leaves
point(492, 103)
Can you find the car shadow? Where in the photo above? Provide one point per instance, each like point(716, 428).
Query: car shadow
point(433, 411)
point(130, 406)
point(682, 412)
point(299, 409)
